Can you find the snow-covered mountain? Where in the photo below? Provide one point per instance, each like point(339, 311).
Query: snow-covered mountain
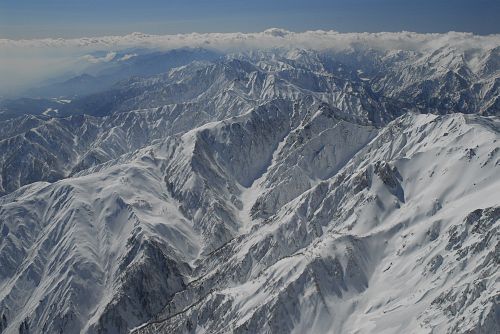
point(373, 86)
point(267, 191)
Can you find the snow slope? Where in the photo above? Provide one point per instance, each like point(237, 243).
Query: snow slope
point(282, 191)
point(392, 243)
point(374, 86)
point(164, 229)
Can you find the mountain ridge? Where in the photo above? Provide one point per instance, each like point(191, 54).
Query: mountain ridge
point(264, 192)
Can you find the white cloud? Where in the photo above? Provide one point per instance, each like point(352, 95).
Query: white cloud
point(95, 60)
point(318, 39)
point(128, 56)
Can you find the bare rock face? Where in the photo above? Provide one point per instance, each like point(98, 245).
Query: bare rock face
point(263, 192)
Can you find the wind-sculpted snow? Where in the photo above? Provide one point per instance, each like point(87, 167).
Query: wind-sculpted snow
point(166, 235)
point(66, 246)
point(360, 251)
point(265, 192)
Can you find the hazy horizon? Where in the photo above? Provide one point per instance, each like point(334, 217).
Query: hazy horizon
point(24, 63)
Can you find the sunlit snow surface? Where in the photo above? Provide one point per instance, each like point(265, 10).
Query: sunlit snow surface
point(265, 192)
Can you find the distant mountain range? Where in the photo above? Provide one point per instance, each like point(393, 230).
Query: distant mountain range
point(271, 190)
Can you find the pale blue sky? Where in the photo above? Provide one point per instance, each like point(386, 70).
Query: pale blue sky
point(72, 18)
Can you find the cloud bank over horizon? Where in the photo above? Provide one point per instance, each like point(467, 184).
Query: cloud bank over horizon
point(270, 38)
point(27, 61)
